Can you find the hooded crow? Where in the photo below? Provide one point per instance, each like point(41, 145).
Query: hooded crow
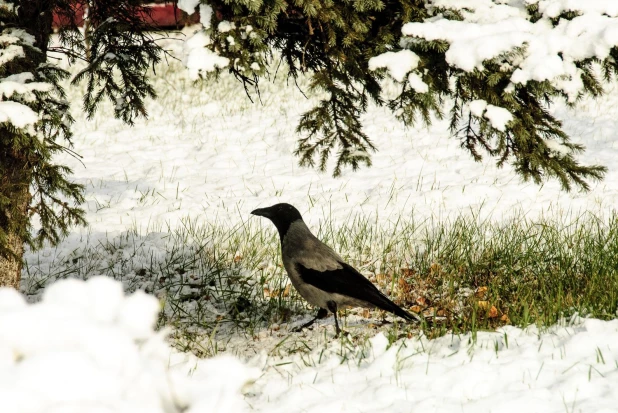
point(318, 273)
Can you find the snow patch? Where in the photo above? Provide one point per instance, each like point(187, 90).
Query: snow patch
point(225, 26)
point(416, 83)
point(497, 116)
point(18, 114)
point(477, 107)
point(18, 83)
point(188, 6)
point(10, 50)
point(557, 147)
point(199, 59)
point(553, 8)
point(513, 369)
point(205, 15)
point(398, 63)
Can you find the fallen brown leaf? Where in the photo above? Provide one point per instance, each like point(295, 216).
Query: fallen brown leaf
point(480, 292)
point(430, 312)
point(435, 268)
point(493, 312)
point(416, 309)
point(382, 279)
point(404, 285)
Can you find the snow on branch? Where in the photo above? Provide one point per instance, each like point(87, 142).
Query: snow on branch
point(544, 49)
point(199, 59)
point(20, 84)
point(19, 88)
point(497, 116)
point(398, 63)
point(11, 44)
point(19, 115)
point(501, 63)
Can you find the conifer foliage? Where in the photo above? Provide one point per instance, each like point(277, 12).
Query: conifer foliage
point(351, 48)
point(35, 122)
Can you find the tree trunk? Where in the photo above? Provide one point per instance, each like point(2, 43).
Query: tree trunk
point(10, 267)
point(16, 216)
point(35, 17)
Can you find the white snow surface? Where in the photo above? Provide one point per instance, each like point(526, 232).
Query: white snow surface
point(553, 8)
point(512, 370)
point(498, 117)
point(12, 41)
point(205, 15)
point(19, 84)
point(86, 347)
point(225, 26)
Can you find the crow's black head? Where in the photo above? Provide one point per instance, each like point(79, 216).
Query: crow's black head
point(282, 215)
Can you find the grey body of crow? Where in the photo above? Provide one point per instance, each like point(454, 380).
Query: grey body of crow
point(300, 246)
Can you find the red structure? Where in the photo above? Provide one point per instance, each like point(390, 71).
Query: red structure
point(161, 14)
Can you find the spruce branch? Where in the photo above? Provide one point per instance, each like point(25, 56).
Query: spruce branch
point(332, 42)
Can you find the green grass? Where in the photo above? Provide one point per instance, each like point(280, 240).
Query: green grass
point(466, 274)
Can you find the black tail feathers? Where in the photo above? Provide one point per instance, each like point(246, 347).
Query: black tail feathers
point(387, 305)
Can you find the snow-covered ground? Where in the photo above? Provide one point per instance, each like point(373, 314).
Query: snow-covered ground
point(87, 348)
point(208, 153)
point(566, 369)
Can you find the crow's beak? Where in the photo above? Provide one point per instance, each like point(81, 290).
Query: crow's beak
point(261, 212)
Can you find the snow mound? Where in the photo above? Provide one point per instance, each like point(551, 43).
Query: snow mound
point(86, 347)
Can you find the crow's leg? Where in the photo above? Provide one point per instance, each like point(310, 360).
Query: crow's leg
point(332, 306)
point(322, 312)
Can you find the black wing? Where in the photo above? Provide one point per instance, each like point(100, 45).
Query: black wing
point(347, 281)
